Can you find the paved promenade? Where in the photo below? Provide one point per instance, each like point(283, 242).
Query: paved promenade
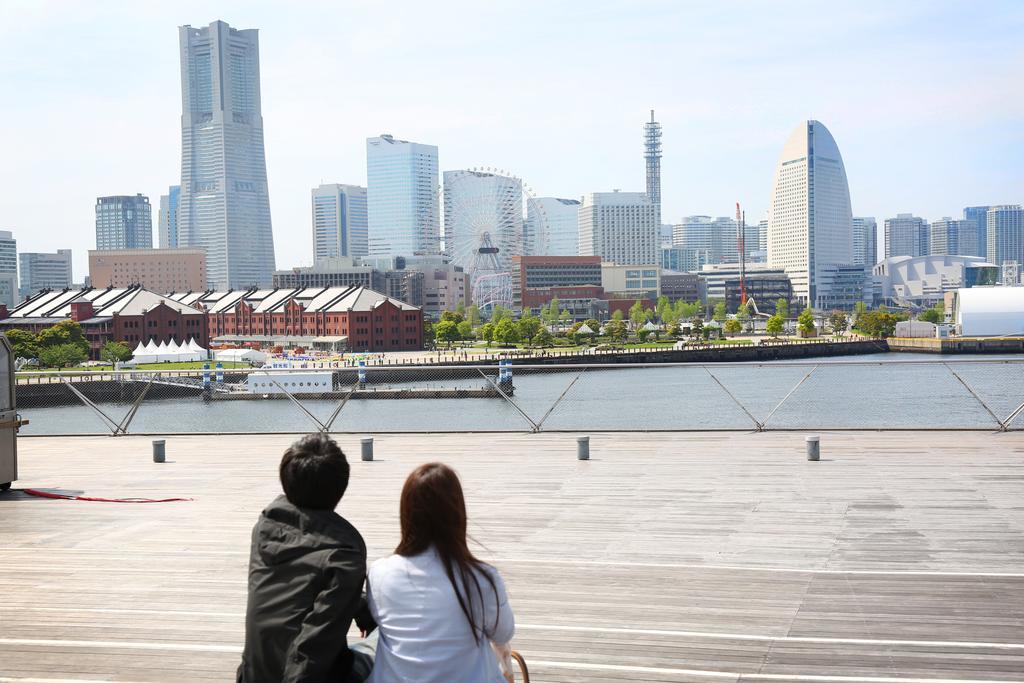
point(668, 557)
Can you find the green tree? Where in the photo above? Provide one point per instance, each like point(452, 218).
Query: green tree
point(543, 338)
point(685, 311)
point(473, 316)
point(460, 308)
point(62, 355)
point(497, 314)
point(452, 317)
point(642, 334)
point(115, 352)
point(859, 309)
point(782, 308)
point(877, 323)
point(697, 326)
point(506, 332)
point(805, 323)
point(936, 314)
point(733, 326)
point(465, 330)
point(447, 332)
point(549, 313)
point(487, 333)
point(617, 315)
point(23, 343)
point(838, 320)
point(594, 325)
point(528, 327)
point(774, 325)
point(721, 312)
point(636, 314)
point(64, 332)
point(674, 330)
point(616, 331)
point(662, 306)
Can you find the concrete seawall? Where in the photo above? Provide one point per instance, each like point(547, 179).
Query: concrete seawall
point(958, 345)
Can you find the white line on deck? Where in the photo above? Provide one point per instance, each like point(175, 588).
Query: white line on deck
point(765, 638)
point(122, 644)
point(729, 567)
point(808, 678)
point(570, 563)
point(583, 629)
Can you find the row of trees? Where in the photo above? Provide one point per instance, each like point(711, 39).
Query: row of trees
point(62, 345)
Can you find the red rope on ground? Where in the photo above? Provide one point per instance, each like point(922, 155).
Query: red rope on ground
point(61, 496)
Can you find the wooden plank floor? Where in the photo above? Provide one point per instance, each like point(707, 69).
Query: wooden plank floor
point(668, 557)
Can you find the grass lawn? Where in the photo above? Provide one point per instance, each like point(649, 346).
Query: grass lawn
point(192, 365)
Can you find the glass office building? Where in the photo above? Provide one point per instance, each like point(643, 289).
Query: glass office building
point(402, 197)
point(339, 221)
point(124, 222)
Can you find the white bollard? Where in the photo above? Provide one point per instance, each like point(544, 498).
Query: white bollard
point(813, 448)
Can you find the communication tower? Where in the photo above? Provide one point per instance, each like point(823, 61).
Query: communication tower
point(652, 155)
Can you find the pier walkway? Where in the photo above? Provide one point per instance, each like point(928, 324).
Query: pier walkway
point(899, 557)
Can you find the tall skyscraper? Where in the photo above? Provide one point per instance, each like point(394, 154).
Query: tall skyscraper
point(562, 217)
point(652, 157)
point(339, 221)
point(1005, 234)
point(224, 206)
point(979, 216)
point(124, 222)
point(620, 227)
point(8, 269)
point(865, 241)
point(954, 237)
point(810, 223)
point(401, 197)
point(44, 271)
point(906, 235)
point(167, 229)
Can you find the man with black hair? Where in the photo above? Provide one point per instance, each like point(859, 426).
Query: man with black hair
point(307, 569)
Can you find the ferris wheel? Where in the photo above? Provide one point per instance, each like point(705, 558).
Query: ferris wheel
point(489, 217)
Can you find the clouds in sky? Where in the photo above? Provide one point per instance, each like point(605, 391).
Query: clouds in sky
point(924, 99)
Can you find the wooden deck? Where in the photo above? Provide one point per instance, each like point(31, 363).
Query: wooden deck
point(668, 557)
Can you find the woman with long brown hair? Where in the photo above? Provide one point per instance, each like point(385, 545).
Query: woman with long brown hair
point(439, 608)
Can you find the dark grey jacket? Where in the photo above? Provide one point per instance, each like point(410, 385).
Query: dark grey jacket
point(307, 569)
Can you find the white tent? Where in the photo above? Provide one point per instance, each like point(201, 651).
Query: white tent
point(197, 351)
point(168, 352)
point(240, 356)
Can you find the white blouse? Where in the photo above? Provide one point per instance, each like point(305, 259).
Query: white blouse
point(424, 635)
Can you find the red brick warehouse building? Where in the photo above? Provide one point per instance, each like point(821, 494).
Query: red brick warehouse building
point(127, 314)
point(329, 319)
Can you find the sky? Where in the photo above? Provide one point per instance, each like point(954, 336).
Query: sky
point(924, 99)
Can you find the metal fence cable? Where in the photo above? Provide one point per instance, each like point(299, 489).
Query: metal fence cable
point(559, 399)
point(764, 423)
point(1001, 423)
point(509, 399)
point(757, 425)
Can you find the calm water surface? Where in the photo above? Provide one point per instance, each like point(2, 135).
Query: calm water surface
point(882, 394)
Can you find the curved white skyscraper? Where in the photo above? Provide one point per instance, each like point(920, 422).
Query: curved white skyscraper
point(810, 221)
point(224, 206)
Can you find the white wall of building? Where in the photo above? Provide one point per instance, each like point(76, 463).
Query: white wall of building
point(620, 227)
point(808, 230)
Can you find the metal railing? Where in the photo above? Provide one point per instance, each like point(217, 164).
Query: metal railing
point(980, 394)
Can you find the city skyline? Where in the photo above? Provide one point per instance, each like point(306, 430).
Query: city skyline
point(968, 152)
